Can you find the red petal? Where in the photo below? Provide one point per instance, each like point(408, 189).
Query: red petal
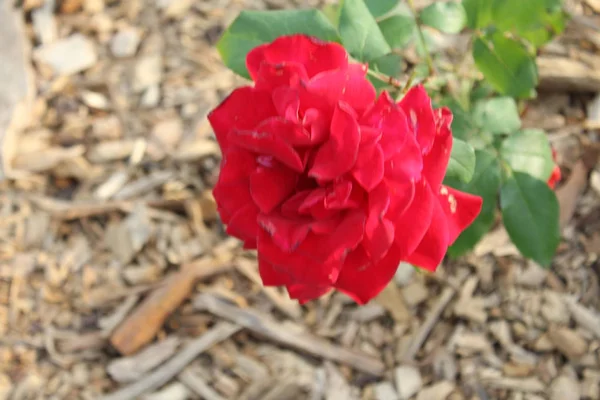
point(268, 139)
point(325, 90)
point(305, 293)
point(369, 168)
point(379, 232)
point(271, 76)
point(314, 54)
point(270, 275)
point(243, 223)
point(236, 165)
point(338, 155)
point(435, 162)
point(287, 103)
point(460, 209)
point(433, 247)
point(407, 164)
point(417, 106)
point(364, 284)
point(302, 267)
point(286, 233)
point(270, 186)
point(317, 123)
point(243, 109)
point(387, 117)
point(412, 225)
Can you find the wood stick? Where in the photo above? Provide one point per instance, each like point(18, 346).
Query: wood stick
point(288, 336)
point(171, 368)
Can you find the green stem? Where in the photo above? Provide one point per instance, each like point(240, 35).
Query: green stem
point(428, 58)
point(390, 80)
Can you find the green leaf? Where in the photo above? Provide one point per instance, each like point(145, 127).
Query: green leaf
point(447, 17)
point(506, 65)
point(360, 33)
point(463, 126)
point(377, 8)
point(529, 151)
point(390, 65)
point(462, 161)
point(530, 214)
point(398, 30)
point(479, 13)
point(485, 183)
point(253, 28)
point(497, 115)
point(518, 15)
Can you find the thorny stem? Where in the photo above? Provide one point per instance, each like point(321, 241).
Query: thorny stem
point(390, 80)
point(428, 58)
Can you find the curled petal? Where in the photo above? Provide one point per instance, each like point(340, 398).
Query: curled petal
point(406, 164)
point(435, 162)
point(243, 224)
point(338, 155)
point(379, 231)
point(460, 209)
point(270, 186)
point(272, 276)
point(417, 106)
point(267, 139)
point(305, 293)
point(353, 281)
point(369, 168)
point(411, 226)
point(324, 91)
point(272, 76)
point(315, 55)
point(287, 103)
point(244, 109)
point(388, 118)
point(430, 252)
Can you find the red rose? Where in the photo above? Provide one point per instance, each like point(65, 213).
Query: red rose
point(331, 184)
point(556, 174)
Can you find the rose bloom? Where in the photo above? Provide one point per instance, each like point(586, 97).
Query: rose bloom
point(331, 184)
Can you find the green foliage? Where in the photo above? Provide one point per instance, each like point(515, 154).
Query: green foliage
point(506, 64)
point(462, 161)
point(530, 215)
point(485, 183)
point(378, 8)
point(447, 17)
point(528, 151)
point(360, 33)
point(497, 115)
point(398, 30)
point(253, 28)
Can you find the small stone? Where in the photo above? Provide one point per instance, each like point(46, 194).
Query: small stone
point(168, 133)
point(44, 23)
point(404, 274)
point(93, 6)
point(151, 97)
point(415, 293)
point(564, 388)
point(568, 342)
point(108, 127)
point(94, 100)
point(5, 387)
point(68, 56)
point(174, 8)
point(408, 381)
point(147, 72)
point(125, 42)
point(174, 391)
point(437, 391)
point(385, 391)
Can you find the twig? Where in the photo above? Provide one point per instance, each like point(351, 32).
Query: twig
point(425, 329)
point(145, 322)
point(288, 336)
point(198, 385)
point(171, 368)
point(390, 80)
